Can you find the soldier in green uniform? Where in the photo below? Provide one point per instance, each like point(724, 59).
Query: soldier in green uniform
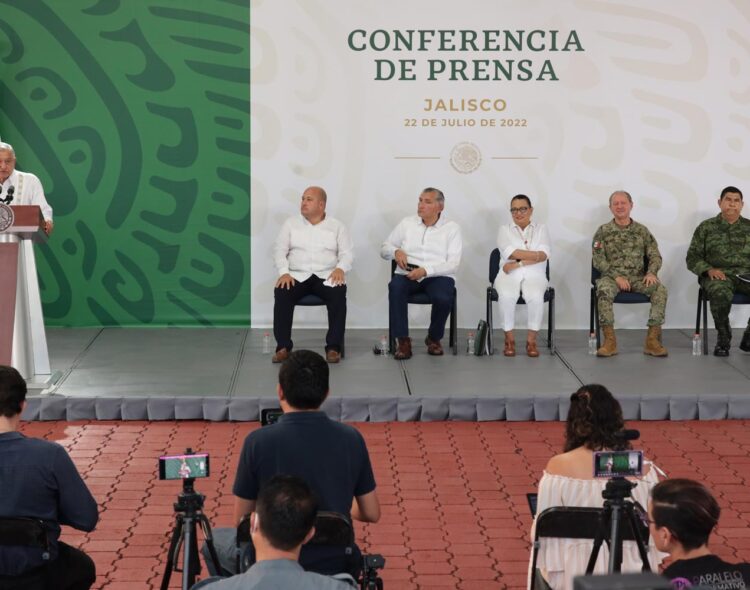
point(618, 254)
point(719, 251)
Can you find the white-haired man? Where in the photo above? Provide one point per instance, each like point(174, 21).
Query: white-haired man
point(24, 188)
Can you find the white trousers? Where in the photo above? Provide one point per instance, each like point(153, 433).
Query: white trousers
point(531, 286)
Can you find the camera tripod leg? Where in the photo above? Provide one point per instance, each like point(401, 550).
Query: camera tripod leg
point(173, 548)
point(601, 534)
point(206, 526)
point(639, 540)
point(615, 543)
point(191, 565)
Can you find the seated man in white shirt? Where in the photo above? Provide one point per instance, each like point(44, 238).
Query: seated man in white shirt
point(427, 251)
point(21, 188)
point(312, 254)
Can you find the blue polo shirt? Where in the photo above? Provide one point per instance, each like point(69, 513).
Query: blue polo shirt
point(330, 456)
point(39, 480)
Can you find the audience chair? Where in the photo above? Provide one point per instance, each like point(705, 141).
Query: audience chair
point(311, 300)
point(424, 299)
point(331, 552)
point(625, 297)
point(738, 299)
point(571, 522)
point(32, 533)
point(549, 297)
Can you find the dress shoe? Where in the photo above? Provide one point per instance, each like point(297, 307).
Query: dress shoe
point(281, 355)
point(510, 347)
point(531, 349)
point(403, 351)
point(333, 356)
point(433, 347)
point(745, 344)
point(721, 350)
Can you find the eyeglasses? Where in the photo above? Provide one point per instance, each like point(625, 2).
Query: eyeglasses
point(645, 520)
point(520, 210)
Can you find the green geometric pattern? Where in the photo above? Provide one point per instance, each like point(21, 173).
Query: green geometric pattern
point(135, 116)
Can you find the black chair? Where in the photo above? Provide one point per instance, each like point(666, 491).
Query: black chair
point(424, 299)
point(738, 299)
point(625, 297)
point(311, 300)
point(549, 297)
point(572, 522)
point(331, 551)
point(32, 533)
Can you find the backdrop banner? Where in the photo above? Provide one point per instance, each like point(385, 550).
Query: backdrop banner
point(562, 101)
point(135, 116)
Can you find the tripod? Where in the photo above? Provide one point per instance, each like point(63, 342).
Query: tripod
point(188, 513)
point(616, 507)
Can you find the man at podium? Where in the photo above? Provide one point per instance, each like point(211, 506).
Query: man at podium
point(21, 188)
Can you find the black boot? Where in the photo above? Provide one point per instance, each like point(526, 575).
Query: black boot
point(723, 339)
point(745, 344)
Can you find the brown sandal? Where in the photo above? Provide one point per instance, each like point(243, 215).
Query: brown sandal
point(510, 347)
point(531, 349)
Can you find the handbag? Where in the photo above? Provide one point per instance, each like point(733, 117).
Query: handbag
point(480, 339)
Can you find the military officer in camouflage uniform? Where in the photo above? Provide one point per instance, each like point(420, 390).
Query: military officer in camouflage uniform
point(719, 251)
point(618, 250)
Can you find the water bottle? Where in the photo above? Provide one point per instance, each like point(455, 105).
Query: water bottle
point(697, 345)
point(470, 343)
point(266, 343)
point(592, 343)
point(383, 345)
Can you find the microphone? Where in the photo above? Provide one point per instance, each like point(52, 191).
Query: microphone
point(9, 198)
point(628, 435)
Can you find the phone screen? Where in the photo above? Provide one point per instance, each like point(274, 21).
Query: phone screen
point(183, 466)
point(618, 463)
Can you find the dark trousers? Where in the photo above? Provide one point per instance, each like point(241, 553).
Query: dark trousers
point(440, 292)
point(286, 299)
point(72, 570)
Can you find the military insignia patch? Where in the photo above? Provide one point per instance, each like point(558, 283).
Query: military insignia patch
point(597, 245)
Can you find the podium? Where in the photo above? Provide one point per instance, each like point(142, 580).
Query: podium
point(23, 342)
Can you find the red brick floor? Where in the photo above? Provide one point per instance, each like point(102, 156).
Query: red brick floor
point(453, 494)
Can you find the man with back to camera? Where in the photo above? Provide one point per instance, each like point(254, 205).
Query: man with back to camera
point(618, 251)
point(27, 188)
point(282, 522)
point(427, 250)
point(718, 252)
point(38, 480)
point(312, 253)
point(330, 456)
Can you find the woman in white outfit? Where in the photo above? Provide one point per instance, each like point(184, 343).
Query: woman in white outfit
point(594, 419)
point(524, 247)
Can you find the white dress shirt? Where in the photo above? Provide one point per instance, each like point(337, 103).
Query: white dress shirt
point(534, 237)
point(303, 249)
point(436, 248)
point(28, 192)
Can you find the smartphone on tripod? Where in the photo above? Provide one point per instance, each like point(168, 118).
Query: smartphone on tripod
point(189, 517)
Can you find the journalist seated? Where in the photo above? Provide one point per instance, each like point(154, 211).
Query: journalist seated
point(330, 456)
point(682, 514)
point(593, 423)
point(39, 481)
point(282, 522)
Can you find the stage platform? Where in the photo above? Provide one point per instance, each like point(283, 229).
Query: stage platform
point(221, 374)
